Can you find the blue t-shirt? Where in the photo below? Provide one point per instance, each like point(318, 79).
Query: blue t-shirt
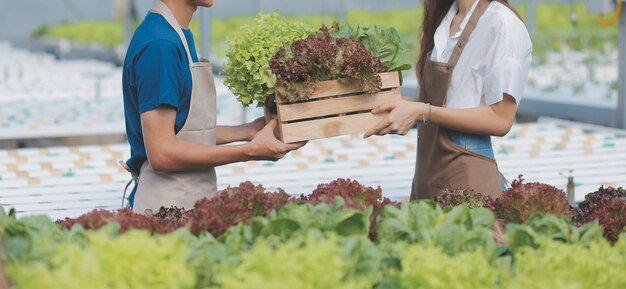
point(156, 72)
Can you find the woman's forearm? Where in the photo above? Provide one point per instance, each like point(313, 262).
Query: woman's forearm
point(482, 120)
point(495, 119)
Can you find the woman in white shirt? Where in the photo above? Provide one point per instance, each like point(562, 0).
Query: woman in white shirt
point(473, 66)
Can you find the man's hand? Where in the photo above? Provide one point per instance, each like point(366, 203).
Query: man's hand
point(252, 128)
point(242, 132)
point(265, 146)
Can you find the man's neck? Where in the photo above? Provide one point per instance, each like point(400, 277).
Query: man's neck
point(182, 10)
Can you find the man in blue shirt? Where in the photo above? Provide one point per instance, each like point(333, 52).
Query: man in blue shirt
point(169, 104)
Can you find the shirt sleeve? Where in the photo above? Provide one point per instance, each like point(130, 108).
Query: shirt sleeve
point(505, 70)
point(158, 76)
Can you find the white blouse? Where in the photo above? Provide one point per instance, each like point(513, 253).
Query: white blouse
point(495, 60)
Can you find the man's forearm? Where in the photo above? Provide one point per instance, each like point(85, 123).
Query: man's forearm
point(180, 155)
point(229, 134)
point(167, 153)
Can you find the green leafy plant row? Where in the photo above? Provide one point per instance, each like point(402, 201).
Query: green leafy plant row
point(553, 29)
point(342, 235)
point(318, 246)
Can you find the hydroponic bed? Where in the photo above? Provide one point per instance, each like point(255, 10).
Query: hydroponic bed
point(342, 235)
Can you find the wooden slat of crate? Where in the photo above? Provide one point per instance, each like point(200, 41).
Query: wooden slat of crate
point(333, 125)
point(335, 106)
point(336, 87)
point(329, 127)
point(269, 117)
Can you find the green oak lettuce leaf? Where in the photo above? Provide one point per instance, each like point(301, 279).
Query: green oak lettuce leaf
point(550, 227)
point(295, 220)
point(343, 29)
point(32, 238)
point(555, 264)
point(454, 230)
point(248, 74)
point(427, 266)
point(133, 260)
point(206, 254)
point(307, 261)
point(298, 219)
point(382, 43)
point(386, 45)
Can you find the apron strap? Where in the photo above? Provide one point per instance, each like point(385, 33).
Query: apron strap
point(469, 28)
point(160, 8)
point(134, 178)
point(507, 184)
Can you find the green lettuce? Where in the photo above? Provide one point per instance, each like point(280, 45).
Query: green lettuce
point(133, 260)
point(382, 43)
point(561, 265)
point(427, 266)
point(247, 71)
point(309, 261)
point(294, 220)
point(551, 227)
point(456, 230)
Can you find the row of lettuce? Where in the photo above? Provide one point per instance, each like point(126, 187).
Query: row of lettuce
point(342, 235)
point(554, 30)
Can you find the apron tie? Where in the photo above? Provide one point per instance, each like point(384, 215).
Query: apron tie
point(506, 183)
point(134, 178)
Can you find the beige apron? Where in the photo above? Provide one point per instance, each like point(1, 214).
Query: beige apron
point(183, 189)
point(440, 162)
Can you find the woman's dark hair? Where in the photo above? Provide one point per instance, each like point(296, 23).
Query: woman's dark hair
point(434, 12)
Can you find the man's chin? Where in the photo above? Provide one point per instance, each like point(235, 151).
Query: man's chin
point(205, 3)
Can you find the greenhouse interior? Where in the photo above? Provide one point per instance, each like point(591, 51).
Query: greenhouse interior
point(275, 144)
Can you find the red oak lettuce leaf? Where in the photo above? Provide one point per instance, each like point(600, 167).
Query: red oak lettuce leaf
point(522, 201)
point(457, 197)
point(232, 206)
point(611, 214)
point(593, 200)
point(355, 195)
point(319, 57)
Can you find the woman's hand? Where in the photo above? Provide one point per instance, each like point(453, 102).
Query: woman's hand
point(401, 118)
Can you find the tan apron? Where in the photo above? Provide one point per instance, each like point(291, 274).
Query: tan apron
point(183, 189)
point(440, 162)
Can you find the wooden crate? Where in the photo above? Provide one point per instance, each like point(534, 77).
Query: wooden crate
point(334, 109)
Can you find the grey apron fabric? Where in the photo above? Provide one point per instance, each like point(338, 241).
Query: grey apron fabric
point(183, 189)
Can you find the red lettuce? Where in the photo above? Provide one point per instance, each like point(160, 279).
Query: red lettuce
point(608, 206)
point(319, 57)
point(611, 214)
point(355, 195)
point(214, 215)
point(452, 198)
point(593, 200)
point(523, 201)
point(232, 206)
point(126, 218)
point(236, 205)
